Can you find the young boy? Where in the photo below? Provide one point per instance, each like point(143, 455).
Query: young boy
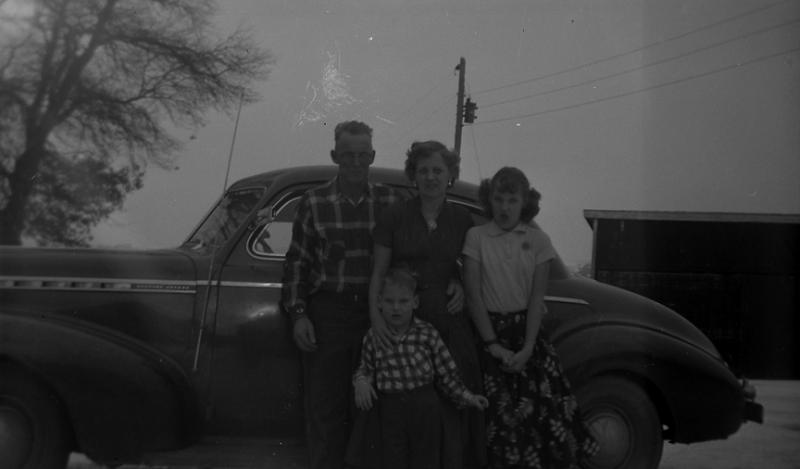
point(404, 376)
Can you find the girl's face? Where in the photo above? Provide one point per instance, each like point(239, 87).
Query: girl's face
point(432, 176)
point(506, 208)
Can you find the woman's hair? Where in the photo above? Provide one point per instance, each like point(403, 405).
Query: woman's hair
point(401, 276)
point(510, 180)
point(421, 150)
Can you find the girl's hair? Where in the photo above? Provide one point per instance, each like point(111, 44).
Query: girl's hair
point(420, 150)
point(510, 180)
point(401, 276)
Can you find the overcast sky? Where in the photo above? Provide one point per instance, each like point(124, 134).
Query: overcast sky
point(612, 104)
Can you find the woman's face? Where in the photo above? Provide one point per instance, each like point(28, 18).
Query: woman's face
point(506, 208)
point(432, 176)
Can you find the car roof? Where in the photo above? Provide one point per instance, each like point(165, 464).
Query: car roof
point(321, 173)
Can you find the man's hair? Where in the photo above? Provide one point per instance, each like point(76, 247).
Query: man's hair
point(510, 180)
point(351, 127)
point(401, 276)
point(420, 150)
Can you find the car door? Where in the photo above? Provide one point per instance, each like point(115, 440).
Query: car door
point(255, 386)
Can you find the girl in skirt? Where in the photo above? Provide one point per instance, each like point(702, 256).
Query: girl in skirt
point(533, 419)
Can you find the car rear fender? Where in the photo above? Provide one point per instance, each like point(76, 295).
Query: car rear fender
point(121, 396)
point(697, 396)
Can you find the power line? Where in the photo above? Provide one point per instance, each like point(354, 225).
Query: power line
point(622, 54)
point(648, 88)
point(641, 67)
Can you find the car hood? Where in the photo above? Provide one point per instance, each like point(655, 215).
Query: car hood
point(97, 264)
point(610, 304)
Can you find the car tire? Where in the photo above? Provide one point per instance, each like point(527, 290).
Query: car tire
point(33, 430)
point(622, 417)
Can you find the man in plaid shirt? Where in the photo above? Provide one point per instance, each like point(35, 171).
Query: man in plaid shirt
point(325, 286)
point(404, 375)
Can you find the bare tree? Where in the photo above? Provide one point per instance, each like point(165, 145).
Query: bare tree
point(86, 88)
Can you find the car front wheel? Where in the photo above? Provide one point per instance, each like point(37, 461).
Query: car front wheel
point(33, 433)
point(622, 417)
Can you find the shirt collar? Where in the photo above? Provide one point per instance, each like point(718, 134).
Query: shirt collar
point(336, 194)
point(495, 230)
point(415, 323)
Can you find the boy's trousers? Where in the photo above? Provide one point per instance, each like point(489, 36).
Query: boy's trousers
point(411, 426)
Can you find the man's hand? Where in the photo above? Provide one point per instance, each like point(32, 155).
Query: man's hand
point(384, 338)
point(365, 394)
point(456, 294)
point(304, 335)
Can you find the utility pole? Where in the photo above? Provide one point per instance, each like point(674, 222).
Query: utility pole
point(461, 67)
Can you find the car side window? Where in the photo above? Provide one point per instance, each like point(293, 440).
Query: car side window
point(274, 238)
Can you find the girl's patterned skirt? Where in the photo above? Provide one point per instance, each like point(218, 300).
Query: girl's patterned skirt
point(533, 419)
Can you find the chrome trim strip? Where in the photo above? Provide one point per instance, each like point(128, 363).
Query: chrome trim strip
point(226, 283)
point(98, 284)
point(562, 299)
point(118, 284)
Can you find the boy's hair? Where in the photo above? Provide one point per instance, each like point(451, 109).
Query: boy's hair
point(401, 276)
point(421, 150)
point(351, 127)
point(510, 180)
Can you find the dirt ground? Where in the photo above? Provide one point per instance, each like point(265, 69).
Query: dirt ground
point(773, 445)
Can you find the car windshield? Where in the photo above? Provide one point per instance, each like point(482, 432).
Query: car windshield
point(225, 219)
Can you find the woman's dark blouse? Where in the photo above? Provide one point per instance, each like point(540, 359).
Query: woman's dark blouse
point(431, 253)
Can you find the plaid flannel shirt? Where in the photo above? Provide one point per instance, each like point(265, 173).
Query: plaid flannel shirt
point(419, 357)
point(332, 241)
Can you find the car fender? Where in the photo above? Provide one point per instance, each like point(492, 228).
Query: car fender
point(664, 365)
point(122, 397)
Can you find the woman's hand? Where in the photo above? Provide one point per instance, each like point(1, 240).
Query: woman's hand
point(365, 394)
point(384, 338)
point(455, 293)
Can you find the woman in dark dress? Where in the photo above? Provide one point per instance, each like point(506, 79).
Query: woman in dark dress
point(427, 233)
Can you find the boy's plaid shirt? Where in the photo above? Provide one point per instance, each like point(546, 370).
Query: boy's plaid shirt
point(419, 357)
point(332, 241)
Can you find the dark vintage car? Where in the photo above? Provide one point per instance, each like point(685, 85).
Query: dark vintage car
point(182, 356)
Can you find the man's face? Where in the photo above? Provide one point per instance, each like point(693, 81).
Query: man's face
point(397, 305)
point(353, 154)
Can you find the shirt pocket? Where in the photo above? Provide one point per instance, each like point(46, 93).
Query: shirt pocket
point(333, 247)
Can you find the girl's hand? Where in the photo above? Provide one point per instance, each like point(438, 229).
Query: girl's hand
point(365, 394)
point(501, 353)
point(518, 360)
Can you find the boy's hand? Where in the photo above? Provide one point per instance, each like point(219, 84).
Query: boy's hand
point(365, 394)
point(478, 401)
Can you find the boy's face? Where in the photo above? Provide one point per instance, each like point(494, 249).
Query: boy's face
point(397, 305)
